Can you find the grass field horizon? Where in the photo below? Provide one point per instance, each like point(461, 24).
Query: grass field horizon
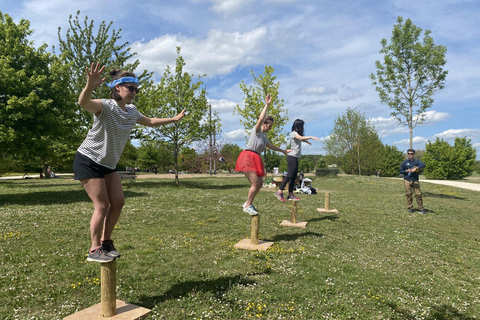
point(372, 261)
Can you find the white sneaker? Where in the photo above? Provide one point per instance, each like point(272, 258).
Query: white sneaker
point(250, 210)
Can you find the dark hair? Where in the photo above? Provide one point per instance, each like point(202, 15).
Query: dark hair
point(117, 74)
point(268, 118)
point(298, 126)
point(410, 150)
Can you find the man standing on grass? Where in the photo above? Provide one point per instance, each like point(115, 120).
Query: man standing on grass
point(410, 169)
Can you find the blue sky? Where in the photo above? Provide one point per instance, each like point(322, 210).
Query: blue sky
point(323, 53)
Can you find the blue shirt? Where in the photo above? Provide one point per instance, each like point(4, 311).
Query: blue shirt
point(407, 164)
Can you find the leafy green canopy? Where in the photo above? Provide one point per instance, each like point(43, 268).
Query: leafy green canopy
point(411, 71)
point(254, 101)
point(82, 47)
point(175, 92)
point(354, 143)
point(444, 161)
point(392, 158)
point(35, 117)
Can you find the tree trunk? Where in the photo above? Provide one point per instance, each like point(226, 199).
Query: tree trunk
point(177, 183)
point(410, 128)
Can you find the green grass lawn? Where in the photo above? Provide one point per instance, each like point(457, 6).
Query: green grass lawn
point(372, 261)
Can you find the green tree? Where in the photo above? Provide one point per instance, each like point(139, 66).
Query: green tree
point(355, 144)
point(254, 101)
point(129, 157)
point(229, 152)
point(175, 92)
point(392, 158)
point(82, 47)
point(412, 70)
point(35, 117)
point(444, 161)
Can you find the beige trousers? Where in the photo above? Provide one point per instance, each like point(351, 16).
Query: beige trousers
point(413, 187)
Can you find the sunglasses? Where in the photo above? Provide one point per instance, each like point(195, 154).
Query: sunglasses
point(410, 153)
point(132, 88)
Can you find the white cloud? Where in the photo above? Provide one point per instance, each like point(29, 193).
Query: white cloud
point(227, 7)
point(350, 96)
point(217, 54)
point(453, 133)
point(416, 141)
point(317, 90)
point(236, 135)
point(222, 105)
point(432, 117)
point(390, 126)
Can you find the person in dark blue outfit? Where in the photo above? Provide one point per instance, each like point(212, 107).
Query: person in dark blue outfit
point(410, 169)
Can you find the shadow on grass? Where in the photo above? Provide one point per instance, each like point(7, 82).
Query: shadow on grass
point(442, 312)
point(215, 286)
point(441, 195)
point(55, 197)
point(329, 218)
point(294, 236)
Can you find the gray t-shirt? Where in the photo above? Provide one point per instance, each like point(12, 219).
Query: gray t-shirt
point(258, 141)
point(109, 134)
point(295, 145)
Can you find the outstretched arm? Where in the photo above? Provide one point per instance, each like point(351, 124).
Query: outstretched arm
point(94, 79)
point(305, 138)
point(275, 148)
point(156, 122)
point(263, 114)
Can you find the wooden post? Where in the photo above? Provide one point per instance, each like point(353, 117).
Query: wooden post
point(255, 229)
point(327, 205)
point(109, 307)
point(294, 213)
point(327, 200)
point(109, 288)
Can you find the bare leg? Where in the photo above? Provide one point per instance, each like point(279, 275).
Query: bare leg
point(256, 183)
point(117, 200)
point(107, 197)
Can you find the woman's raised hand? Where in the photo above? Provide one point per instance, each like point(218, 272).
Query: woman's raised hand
point(180, 115)
point(94, 75)
point(268, 99)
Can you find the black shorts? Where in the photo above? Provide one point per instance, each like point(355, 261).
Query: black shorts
point(86, 168)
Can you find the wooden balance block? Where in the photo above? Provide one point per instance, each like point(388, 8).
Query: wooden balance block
point(294, 218)
point(254, 243)
point(327, 205)
point(110, 307)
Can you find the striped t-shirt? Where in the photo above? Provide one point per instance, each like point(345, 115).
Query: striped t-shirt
point(109, 134)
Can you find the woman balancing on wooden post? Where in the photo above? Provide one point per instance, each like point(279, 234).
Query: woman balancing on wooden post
point(97, 157)
point(249, 161)
point(296, 138)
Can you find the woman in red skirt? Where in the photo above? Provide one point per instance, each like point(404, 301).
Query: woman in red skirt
point(249, 161)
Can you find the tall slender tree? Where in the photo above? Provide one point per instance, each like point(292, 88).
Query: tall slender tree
point(411, 72)
point(175, 92)
point(254, 101)
point(82, 46)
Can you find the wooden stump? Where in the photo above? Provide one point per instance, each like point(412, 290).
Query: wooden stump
point(294, 214)
point(110, 307)
point(255, 229)
point(327, 205)
point(109, 288)
point(294, 218)
point(254, 243)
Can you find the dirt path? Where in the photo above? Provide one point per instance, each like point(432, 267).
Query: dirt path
point(457, 184)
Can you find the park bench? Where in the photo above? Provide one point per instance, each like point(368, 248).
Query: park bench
point(127, 175)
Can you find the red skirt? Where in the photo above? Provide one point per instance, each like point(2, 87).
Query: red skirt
point(250, 161)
